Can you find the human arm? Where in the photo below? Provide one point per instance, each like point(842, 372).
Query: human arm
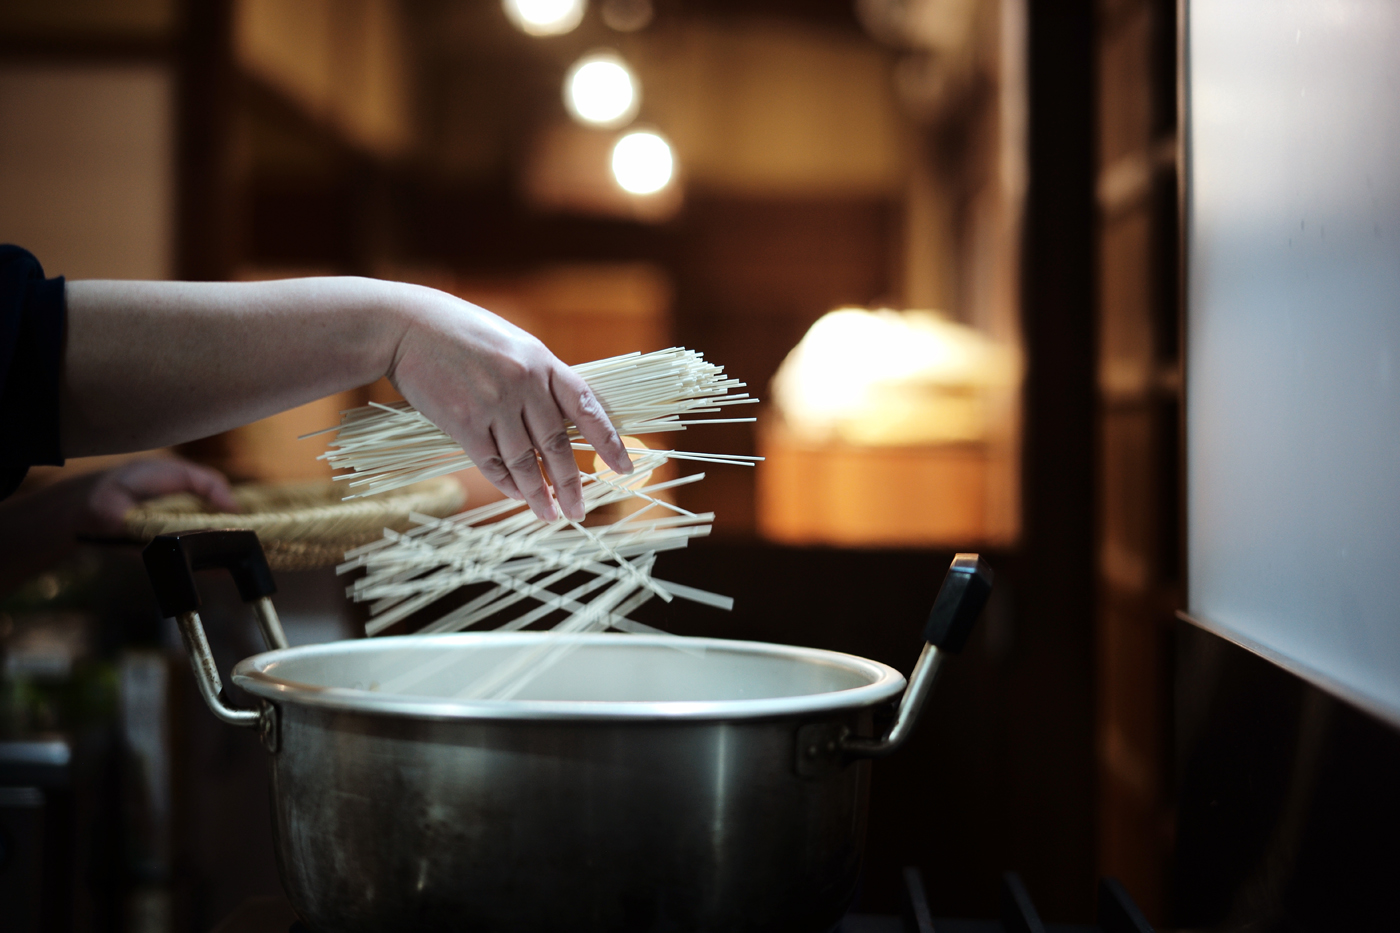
point(39, 528)
point(149, 364)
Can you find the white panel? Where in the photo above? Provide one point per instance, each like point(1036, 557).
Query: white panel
point(87, 168)
point(1293, 391)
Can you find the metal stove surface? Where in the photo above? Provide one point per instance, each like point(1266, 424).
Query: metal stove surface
point(275, 915)
point(1116, 914)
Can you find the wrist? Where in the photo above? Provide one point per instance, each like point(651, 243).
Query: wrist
point(414, 313)
point(401, 311)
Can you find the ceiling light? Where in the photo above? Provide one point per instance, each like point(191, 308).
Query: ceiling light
point(545, 17)
point(642, 162)
point(600, 90)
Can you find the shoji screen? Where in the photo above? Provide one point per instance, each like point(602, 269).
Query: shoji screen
point(1293, 361)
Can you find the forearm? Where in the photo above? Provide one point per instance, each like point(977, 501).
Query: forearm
point(148, 364)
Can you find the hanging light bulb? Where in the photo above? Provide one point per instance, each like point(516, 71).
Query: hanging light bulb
point(601, 90)
point(642, 162)
point(545, 17)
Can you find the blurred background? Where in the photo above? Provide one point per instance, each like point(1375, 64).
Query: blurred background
point(937, 237)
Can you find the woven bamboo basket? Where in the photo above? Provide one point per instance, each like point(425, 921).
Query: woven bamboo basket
point(302, 526)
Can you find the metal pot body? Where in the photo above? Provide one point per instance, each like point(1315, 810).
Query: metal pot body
point(427, 825)
point(691, 813)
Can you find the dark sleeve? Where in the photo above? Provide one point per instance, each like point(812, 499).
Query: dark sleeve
point(31, 355)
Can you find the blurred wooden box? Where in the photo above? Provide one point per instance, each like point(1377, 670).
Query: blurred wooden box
point(948, 495)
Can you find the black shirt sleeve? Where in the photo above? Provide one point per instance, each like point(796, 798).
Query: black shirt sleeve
point(32, 317)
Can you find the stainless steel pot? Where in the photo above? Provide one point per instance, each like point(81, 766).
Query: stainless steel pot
point(643, 783)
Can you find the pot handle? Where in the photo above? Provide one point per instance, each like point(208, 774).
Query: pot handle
point(959, 602)
point(171, 561)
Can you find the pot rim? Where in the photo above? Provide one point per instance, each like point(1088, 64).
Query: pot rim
point(885, 683)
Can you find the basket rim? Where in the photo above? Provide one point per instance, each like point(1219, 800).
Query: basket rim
point(329, 521)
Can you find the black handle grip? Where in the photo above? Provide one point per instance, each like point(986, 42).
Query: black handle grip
point(960, 600)
point(171, 561)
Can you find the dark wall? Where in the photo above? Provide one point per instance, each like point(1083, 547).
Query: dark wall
point(1288, 811)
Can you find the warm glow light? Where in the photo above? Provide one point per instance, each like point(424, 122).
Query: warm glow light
point(600, 90)
point(642, 162)
point(545, 17)
point(888, 377)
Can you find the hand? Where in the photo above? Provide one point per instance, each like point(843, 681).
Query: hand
point(503, 396)
point(120, 489)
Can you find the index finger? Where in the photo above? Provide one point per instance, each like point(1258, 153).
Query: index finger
point(578, 403)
